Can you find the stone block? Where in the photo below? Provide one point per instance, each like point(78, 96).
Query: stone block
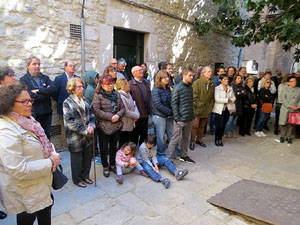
point(13, 19)
point(132, 203)
point(64, 219)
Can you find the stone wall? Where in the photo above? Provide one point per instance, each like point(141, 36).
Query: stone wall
point(42, 28)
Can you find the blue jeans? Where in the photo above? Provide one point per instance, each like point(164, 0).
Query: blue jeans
point(162, 161)
point(163, 126)
point(230, 125)
point(261, 120)
point(125, 170)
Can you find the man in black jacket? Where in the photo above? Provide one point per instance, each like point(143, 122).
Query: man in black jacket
point(183, 113)
point(40, 88)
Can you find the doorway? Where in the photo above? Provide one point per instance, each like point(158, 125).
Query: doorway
point(130, 46)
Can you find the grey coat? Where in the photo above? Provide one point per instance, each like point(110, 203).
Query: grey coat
point(76, 131)
point(289, 96)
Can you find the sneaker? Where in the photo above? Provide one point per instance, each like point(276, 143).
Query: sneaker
point(263, 134)
point(98, 161)
point(181, 174)
point(144, 174)
point(257, 134)
point(187, 159)
point(119, 179)
point(166, 183)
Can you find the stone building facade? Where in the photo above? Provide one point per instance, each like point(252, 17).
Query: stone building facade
point(42, 28)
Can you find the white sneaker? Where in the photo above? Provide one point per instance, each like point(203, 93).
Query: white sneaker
point(257, 134)
point(263, 134)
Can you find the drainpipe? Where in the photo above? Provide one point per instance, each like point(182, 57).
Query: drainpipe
point(82, 40)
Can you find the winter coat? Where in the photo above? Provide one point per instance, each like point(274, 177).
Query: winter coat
point(147, 155)
point(121, 158)
point(240, 95)
point(250, 98)
point(161, 102)
point(289, 97)
point(222, 97)
point(46, 89)
point(25, 175)
point(76, 131)
point(182, 102)
point(60, 83)
point(89, 79)
point(145, 108)
point(103, 110)
point(203, 97)
point(131, 111)
point(265, 96)
point(281, 87)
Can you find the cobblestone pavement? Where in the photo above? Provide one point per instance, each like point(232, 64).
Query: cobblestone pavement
point(141, 201)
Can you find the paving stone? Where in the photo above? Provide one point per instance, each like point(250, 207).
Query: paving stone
point(63, 219)
point(132, 203)
point(208, 219)
point(181, 215)
point(160, 220)
point(87, 194)
point(116, 215)
point(91, 208)
point(63, 202)
point(196, 205)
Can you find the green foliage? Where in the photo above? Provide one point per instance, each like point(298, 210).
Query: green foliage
point(245, 22)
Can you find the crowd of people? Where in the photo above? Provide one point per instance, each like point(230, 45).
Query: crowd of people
point(111, 111)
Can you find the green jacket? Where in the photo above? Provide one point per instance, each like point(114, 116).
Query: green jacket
point(182, 102)
point(203, 97)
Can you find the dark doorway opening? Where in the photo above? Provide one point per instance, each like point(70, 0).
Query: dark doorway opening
point(130, 46)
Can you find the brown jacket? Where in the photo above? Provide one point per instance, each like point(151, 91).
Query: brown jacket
point(137, 96)
point(103, 110)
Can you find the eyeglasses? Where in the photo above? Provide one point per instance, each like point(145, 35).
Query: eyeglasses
point(26, 101)
point(80, 86)
point(268, 82)
point(11, 75)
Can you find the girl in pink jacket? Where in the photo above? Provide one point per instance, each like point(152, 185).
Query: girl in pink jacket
point(126, 161)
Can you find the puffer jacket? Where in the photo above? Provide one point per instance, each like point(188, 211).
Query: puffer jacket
point(203, 97)
point(89, 79)
point(240, 95)
point(161, 102)
point(76, 131)
point(121, 158)
point(182, 102)
point(25, 175)
point(131, 111)
point(103, 110)
point(250, 98)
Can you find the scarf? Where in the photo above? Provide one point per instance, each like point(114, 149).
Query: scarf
point(113, 97)
point(30, 124)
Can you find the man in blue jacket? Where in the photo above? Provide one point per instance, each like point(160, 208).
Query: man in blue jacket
point(40, 88)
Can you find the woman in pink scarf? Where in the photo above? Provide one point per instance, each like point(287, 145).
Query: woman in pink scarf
point(27, 159)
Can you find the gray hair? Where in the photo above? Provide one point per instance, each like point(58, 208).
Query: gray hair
point(205, 68)
point(122, 61)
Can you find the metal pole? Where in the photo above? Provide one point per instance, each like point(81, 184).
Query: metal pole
point(82, 40)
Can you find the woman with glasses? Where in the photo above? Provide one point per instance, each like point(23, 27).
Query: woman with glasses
point(79, 121)
point(265, 98)
point(27, 159)
point(109, 110)
point(7, 76)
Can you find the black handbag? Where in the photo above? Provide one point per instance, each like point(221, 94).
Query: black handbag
point(59, 179)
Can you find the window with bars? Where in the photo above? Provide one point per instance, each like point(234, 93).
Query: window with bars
point(75, 31)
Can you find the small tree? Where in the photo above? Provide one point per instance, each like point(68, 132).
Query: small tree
point(252, 25)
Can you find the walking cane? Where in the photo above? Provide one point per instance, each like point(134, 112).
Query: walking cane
point(94, 160)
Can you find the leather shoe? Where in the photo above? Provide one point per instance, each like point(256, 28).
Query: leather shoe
point(106, 172)
point(88, 181)
point(281, 139)
point(2, 215)
point(201, 143)
point(220, 143)
point(290, 141)
point(81, 184)
point(217, 143)
point(192, 146)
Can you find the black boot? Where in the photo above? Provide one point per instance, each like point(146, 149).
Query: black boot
point(217, 143)
point(281, 139)
point(3, 215)
point(290, 141)
point(221, 143)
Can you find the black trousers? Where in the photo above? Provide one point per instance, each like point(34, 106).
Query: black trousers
point(220, 123)
point(140, 131)
point(81, 164)
point(124, 137)
point(45, 122)
point(108, 146)
point(43, 216)
point(246, 121)
point(277, 114)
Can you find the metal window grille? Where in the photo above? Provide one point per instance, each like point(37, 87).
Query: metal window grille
point(75, 31)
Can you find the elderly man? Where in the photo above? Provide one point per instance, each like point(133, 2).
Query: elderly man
point(61, 84)
point(121, 73)
point(141, 94)
point(7, 76)
point(203, 98)
point(41, 88)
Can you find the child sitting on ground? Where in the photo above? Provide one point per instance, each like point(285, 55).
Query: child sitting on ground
point(149, 161)
point(125, 161)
